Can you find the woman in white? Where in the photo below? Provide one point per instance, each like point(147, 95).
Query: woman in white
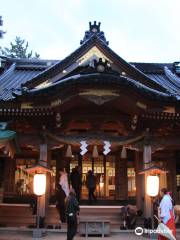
point(167, 212)
point(63, 181)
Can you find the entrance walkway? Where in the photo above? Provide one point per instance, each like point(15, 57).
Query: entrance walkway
point(26, 234)
point(60, 236)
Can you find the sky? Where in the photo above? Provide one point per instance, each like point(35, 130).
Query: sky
point(137, 30)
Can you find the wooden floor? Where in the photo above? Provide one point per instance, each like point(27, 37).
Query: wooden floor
point(16, 215)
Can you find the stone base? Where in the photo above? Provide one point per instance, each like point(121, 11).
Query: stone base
point(37, 233)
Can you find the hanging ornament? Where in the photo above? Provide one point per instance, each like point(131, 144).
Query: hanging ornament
point(134, 122)
point(106, 147)
point(83, 147)
point(58, 120)
point(69, 151)
point(95, 152)
point(43, 152)
point(147, 155)
point(124, 153)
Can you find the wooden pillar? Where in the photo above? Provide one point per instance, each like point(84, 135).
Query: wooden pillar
point(117, 176)
point(147, 199)
point(9, 171)
point(80, 159)
point(139, 180)
point(120, 177)
point(62, 161)
point(48, 178)
point(43, 160)
point(92, 160)
point(9, 176)
point(105, 180)
point(171, 175)
point(67, 164)
point(2, 178)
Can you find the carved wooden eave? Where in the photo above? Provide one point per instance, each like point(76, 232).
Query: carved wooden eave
point(135, 142)
point(58, 94)
point(95, 139)
point(30, 142)
point(32, 111)
point(99, 96)
point(161, 116)
point(159, 143)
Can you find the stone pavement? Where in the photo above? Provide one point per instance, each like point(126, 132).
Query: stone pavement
point(62, 236)
point(27, 235)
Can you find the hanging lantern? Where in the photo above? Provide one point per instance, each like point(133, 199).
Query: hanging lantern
point(39, 184)
point(69, 151)
point(152, 185)
point(124, 153)
point(101, 184)
point(153, 170)
point(95, 152)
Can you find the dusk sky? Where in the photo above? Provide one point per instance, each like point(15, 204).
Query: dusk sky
point(137, 30)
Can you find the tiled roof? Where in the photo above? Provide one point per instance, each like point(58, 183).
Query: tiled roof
point(155, 79)
point(19, 72)
point(152, 67)
point(163, 74)
point(93, 41)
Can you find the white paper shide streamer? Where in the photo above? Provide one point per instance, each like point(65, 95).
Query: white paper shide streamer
point(107, 146)
point(83, 147)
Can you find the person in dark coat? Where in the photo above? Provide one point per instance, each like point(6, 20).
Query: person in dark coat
point(60, 203)
point(33, 204)
point(75, 178)
point(91, 185)
point(72, 208)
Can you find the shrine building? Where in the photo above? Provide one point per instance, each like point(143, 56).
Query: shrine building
point(94, 110)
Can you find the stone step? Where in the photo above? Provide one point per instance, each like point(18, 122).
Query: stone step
point(109, 213)
point(21, 215)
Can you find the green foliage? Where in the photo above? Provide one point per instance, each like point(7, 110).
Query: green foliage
point(18, 49)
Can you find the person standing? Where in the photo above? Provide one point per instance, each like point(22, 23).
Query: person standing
point(60, 203)
point(75, 178)
point(72, 208)
point(91, 185)
point(166, 212)
point(63, 181)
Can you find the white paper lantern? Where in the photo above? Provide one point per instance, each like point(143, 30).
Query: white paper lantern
point(152, 186)
point(39, 184)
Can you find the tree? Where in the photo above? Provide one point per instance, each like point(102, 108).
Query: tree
point(1, 31)
point(18, 49)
